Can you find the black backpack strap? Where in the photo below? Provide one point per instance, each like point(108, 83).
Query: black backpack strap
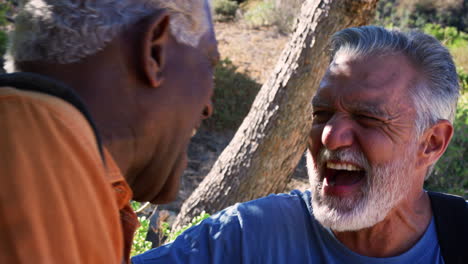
point(451, 219)
point(39, 83)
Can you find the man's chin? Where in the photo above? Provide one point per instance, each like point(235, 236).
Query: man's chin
point(170, 189)
point(164, 198)
point(332, 216)
point(346, 214)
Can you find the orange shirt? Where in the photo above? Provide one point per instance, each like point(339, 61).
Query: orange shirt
point(123, 194)
point(58, 203)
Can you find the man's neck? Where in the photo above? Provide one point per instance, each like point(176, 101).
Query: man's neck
point(397, 233)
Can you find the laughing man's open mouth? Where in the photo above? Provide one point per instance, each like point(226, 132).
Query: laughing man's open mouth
point(341, 178)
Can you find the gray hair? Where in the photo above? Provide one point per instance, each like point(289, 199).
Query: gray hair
point(435, 96)
point(66, 31)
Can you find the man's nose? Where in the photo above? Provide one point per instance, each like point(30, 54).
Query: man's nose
point(207, 111)
point(337, 133)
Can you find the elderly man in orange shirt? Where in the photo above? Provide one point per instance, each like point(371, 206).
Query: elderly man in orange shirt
point(135, 75)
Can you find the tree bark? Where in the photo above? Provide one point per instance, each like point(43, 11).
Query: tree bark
point(272, 138)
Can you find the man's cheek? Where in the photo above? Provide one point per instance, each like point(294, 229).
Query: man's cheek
point(312, 165)
point(314, 138)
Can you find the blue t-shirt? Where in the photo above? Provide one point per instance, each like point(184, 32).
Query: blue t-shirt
point(275, 229)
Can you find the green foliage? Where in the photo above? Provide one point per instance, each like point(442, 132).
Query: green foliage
point(260, 14)
point(285, 15)
point(233, 96)
point(386, 13)
point(140, 245)
point(281, 14)
point(457, 42)
point(225, 10)
point(463, 76)
point(446, 13)
point(451, 171)
point(5, 8)
point(460, 55)
point(135, 205)
point(450, 36)
point(417, 13)
point(171, 235)
point(3, 42)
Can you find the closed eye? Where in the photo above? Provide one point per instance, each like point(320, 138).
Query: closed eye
point(367, 117)
point(368, 120)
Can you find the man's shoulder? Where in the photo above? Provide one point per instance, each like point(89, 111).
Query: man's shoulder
point(50, 150)
point(44, 105)
point(266, 212)
point(276, 203)
point(444, 200)
point(49, 101)
point(451, 216)
point(54, 112)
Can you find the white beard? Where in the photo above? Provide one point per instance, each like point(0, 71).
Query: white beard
point(384, 187)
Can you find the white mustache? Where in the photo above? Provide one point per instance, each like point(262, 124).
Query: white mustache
point(343, 155)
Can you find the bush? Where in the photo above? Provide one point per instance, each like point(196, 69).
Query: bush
point(260, 14)
point(417, 13)
point(450, 36)
point(463, 76)
point(460, 55)
point(225, 10)
point(281, 14)
point(5, 8)
point(140, 245)
point(457, 42)
point(286, 13)
point(3, 43)
point(450, 174)
point(233, 95)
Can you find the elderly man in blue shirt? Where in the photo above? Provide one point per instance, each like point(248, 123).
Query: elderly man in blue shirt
point(382, 117)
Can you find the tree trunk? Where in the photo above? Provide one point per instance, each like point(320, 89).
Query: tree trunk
point(272, 138)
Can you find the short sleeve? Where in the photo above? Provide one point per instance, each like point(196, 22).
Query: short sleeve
point(55, 203)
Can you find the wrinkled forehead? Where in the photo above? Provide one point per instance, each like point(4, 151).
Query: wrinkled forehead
point(376, 81)
point(369, 73)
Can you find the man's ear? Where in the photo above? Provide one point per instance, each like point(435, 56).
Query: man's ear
point(435, 142)
point(153, 46)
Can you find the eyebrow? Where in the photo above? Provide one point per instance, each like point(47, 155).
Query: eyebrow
point(357, 107)
point(370, 108)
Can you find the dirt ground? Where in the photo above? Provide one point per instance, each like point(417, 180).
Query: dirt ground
point(254, 51)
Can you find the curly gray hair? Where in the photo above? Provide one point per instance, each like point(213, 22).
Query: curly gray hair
point(66, 31)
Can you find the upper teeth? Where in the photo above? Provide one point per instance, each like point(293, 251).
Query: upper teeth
point(342, 166)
